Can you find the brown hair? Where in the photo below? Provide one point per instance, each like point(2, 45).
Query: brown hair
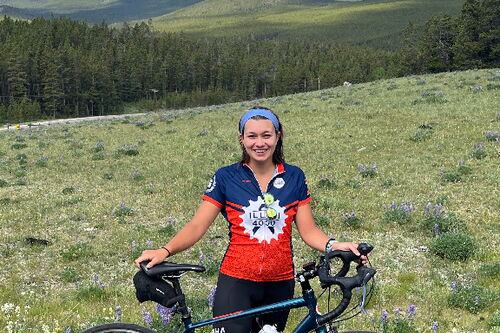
point(278, 156)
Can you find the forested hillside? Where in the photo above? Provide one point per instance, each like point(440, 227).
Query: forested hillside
point(62, 68)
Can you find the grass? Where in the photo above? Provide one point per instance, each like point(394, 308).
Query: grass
point(96, 216)
point(376, 23)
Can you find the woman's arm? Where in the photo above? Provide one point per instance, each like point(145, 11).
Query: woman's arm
point(186, 237)
point(317, 239)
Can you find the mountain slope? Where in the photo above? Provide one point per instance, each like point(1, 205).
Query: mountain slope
point(96, 11)
point(376, 23)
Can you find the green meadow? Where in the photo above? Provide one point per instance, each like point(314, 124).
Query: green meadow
point(79, 202)
point(377, 23)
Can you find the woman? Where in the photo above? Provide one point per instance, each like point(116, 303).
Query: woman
point(260, 197)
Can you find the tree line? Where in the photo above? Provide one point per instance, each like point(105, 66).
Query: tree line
point(62, 68)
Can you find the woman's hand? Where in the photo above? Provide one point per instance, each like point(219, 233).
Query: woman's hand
point(353, 247)
point(155, 257)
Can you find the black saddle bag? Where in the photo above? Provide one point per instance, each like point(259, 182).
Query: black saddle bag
point(156, 290)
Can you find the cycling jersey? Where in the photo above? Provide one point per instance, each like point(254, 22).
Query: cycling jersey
point(259, 248)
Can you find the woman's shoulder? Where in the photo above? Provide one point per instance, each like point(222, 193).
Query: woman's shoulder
point(292, 168)
point(228, 169)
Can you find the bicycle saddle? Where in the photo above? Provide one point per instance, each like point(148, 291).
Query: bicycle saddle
point(169, 269)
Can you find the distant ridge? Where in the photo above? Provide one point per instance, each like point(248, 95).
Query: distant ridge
point(94, 11)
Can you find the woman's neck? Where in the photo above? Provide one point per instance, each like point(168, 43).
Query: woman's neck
point(263, 168)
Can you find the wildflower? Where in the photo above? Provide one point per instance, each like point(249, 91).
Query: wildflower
point(384, 317)
point(134, 245)
point(396, 312)
point(211, 297)
point(436, 229)
point(435, 327)
point(164, 313)
point(149, 243)
point(58, 329)
point(68, 330)
point(95, 278)
point(202, 256)
point(147, 317)
point(412, 311)
point(7, 307)
point(18, 126)
point(491, 136)
point(476, 300)
point(453, 286)
point(118, 313)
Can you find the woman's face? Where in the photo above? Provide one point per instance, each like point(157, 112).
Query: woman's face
point(259, 140)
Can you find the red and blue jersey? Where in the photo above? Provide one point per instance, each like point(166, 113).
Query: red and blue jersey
point(260, 248)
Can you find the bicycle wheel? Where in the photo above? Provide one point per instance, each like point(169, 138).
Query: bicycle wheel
point(119, 328)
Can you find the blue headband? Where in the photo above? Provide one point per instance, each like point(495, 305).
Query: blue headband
point(259, 112)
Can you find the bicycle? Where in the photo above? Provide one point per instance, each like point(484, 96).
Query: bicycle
point(170, 274)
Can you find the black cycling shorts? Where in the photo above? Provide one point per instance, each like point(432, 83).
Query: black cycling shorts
point(236, 294)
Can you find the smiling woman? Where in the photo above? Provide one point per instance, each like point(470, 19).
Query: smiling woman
point(260, 197)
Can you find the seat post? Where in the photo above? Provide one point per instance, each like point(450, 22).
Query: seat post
point(183, 309)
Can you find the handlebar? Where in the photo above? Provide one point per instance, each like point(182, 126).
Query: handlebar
point(346, 284)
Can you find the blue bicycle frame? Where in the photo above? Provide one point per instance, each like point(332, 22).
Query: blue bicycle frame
point(308, 324)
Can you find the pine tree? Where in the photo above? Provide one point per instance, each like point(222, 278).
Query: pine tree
point(436, 44)
point(467, 47)
point(409, 52)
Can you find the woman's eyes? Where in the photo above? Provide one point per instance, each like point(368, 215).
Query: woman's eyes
point(254, 136)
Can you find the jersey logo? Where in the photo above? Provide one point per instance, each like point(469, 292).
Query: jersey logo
point(211, 185)
point(257, 224)
point(279, 183)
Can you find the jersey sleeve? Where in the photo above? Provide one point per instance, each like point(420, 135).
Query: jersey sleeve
point(215, 192)
point(303, 190)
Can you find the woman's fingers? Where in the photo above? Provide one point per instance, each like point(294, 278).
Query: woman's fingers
point(154, 257)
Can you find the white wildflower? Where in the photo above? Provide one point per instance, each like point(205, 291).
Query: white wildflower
point(7, 307)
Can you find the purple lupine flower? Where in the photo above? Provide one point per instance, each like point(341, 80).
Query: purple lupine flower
point(436, 229)
point(95, 278)
point(135, 174)
point(353, 214)
point(396, 312)
point(201, 257)
point(164, 313)
point(412, 311)
point(122, 205)
point(437, 209)
point(453, 287)
point(476, 300)
point(435, 327)
point(118, 313)
point(393, 205)
point(148, 318)
point(171, 220)
point(134, 245)
point(374, 168)
point(384, 317)
point(211, 297)
point(428, 208)
point(68, 330)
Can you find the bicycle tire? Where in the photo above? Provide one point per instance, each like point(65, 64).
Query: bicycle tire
point(119, 328)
